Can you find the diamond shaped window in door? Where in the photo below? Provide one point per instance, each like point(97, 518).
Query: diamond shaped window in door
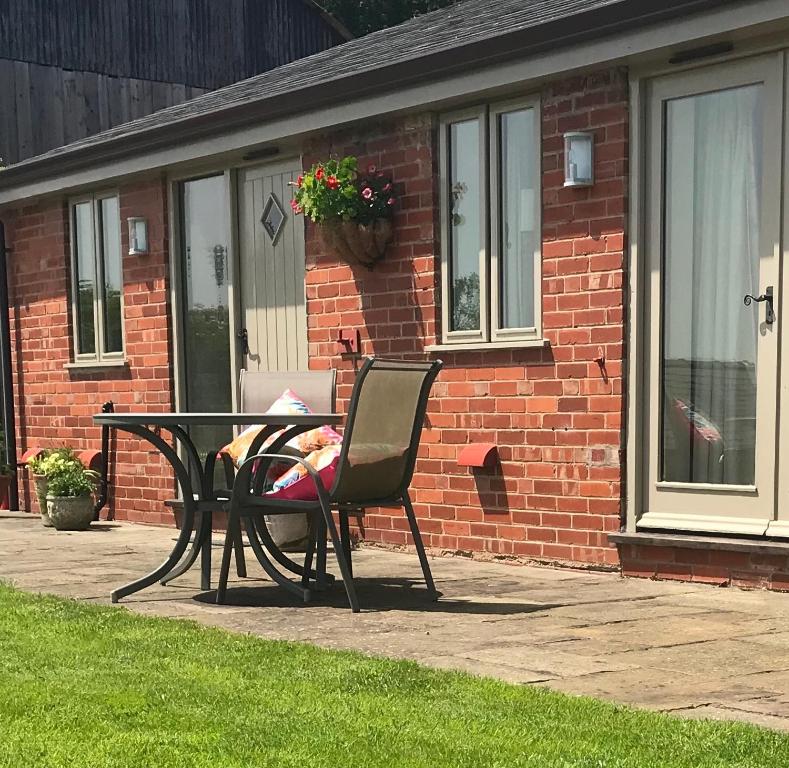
point(273, 218)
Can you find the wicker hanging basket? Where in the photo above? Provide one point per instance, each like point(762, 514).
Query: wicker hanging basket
point(354, 242)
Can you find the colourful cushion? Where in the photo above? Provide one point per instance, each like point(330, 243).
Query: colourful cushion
point(297, 484)
point(287, 403)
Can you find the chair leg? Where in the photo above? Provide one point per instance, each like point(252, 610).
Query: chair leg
point(347, 579)
point(345, 539)
point(320, 543)
point(312, 524)
point(420, 547)
point(233, 532)
point(238, 549)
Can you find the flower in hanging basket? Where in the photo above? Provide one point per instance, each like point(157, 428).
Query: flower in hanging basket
point(353, 214)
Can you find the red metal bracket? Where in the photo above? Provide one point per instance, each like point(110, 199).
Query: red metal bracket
point(478, 455)
point(350, 341)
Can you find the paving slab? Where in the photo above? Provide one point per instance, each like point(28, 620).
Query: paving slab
point(689, 649)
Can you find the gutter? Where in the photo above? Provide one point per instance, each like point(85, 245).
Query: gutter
point(561, 32)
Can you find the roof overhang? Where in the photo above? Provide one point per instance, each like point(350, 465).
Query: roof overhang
point(605, 35)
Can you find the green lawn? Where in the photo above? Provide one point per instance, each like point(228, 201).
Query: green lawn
point(87, 686)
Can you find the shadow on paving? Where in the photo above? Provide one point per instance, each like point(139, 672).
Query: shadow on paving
point(375, 595)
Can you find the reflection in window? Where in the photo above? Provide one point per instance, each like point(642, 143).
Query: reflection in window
point(712, 194)
point(206, 314)
point(519, 245)
point(465, 225)
point(97, 279)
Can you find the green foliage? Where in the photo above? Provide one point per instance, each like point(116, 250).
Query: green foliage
point(83, 686)
point(465, 303)
point(334, 190)
point(52, 460)
point(71, 480)
point(364, 16)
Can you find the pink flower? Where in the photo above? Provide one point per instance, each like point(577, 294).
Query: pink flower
point(294, 204)
point(367, 193)
point(391, 201)
point(299, 181)
point(332, 182)
point(387, 186)
point(371, 169)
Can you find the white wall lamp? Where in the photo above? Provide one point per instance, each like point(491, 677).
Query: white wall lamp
point(138, 236)
point(578, 159)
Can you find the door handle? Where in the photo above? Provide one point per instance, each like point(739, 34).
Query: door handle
point(243, 336)
point(767, 296)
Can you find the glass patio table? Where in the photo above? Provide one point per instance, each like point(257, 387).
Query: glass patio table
point(196, 479)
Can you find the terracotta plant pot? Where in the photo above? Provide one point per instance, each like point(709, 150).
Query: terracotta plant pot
point(70, 513)
point(41, 484)
point(354, 242)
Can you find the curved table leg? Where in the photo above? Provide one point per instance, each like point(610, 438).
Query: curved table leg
point(260, 530)
point(187, 525)
point(200, 545)
point(268, 566)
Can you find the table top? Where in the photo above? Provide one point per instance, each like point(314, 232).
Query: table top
point(209, 419)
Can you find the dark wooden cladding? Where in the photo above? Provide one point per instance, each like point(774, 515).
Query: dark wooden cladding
point(203, 43)
point(44, 107)
point(72, 68)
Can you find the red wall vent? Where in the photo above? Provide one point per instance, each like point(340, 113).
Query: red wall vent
point(478, 455)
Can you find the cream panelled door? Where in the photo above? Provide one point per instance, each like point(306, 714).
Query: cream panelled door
point(714, 143)
point(272, 292)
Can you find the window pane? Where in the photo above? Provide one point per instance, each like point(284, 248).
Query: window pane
point(713, 146)
point(518, 221)
point(113, 282)
point(85, 277)
point(206, 318)
point(465, 226)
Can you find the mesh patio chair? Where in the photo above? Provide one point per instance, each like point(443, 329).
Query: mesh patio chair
point(375, 467)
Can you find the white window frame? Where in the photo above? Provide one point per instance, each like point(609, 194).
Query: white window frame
point(99, 357)
point(490, 333)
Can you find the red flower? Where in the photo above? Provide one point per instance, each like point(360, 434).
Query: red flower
point(391, 201)
point(294, 204)
point(299, 181)
point(319, 173)
point(332, 182)
point(367, 193)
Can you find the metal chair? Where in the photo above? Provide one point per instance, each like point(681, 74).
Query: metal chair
point(375, 467)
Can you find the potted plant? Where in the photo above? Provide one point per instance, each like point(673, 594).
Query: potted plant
point(70, 496)
point(41, 466)
point(353, 211)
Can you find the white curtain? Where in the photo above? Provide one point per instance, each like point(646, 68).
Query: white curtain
point(713, 187)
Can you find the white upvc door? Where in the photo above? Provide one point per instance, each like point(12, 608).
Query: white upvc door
point(714, 140)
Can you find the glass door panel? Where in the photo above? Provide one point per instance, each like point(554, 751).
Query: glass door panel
point(711, 260)
point(208, 375)
point(713, 215)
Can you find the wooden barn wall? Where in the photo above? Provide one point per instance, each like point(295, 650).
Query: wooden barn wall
point(43, 107)
point(203, 43)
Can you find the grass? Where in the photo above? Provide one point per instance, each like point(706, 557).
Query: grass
point(87, 686)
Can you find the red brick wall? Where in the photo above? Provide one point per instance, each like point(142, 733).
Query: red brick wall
point(719, 566)
point(554, 413)
point(55, 404)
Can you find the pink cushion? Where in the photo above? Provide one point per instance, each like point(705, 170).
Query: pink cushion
point(287, 403)
point(297, 484)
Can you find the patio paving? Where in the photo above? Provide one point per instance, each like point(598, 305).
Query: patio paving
point(689, 649)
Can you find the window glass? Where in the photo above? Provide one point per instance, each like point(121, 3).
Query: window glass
point(113, 282)
point(519, 185)
point(85, 278)
point(206, 314)
point(465, 225)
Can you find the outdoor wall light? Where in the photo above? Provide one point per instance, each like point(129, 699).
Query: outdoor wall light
point(578, 159)
point(138, 236)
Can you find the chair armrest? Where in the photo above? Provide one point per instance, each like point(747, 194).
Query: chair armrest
point(244, 477)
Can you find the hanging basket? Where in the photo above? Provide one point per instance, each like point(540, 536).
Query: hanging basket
point(357, 243)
